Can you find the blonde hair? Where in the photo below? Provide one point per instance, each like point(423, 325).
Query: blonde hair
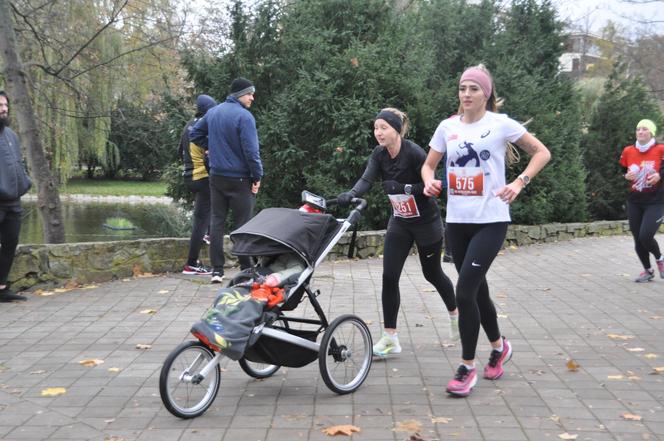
point(405, 122)
point(494, 103)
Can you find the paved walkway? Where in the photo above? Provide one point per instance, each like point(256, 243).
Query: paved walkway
point(556, 302)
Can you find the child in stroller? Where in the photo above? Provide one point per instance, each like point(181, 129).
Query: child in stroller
point(247, 321)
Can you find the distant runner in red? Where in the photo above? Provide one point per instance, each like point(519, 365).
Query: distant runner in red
point(415, 218)
point(645, 203)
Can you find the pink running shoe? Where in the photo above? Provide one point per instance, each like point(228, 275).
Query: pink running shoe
point(660, 267)
point(494, 370)
point(464, 381)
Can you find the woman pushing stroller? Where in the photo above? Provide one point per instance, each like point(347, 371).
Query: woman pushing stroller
point(397, 161)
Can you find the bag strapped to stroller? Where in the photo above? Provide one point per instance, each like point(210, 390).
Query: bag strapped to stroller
point(288, 244)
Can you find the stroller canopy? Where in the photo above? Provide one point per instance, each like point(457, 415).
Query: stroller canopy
point(275, 231)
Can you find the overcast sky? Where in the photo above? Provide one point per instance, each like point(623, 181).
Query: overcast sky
point(593, 14)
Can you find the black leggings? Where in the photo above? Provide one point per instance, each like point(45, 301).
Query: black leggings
point(399, 239)
point(200, 222)
point(10, 227)
point(644, 221)
point(474, 246)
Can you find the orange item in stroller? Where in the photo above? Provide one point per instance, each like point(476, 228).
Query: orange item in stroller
point(272, 295)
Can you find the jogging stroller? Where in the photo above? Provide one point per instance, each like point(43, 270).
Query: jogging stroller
point(258, 334)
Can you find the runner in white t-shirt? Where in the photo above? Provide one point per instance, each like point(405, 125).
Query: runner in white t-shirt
point(476, 143)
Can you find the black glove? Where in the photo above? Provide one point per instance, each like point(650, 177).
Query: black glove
point(393, 187)
point(343, 200)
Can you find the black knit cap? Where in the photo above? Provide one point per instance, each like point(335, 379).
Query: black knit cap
point(241, 86)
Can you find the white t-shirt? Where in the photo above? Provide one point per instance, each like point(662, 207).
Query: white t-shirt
point(476, 166)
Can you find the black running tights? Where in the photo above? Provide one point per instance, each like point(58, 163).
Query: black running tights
point(474, 246)
point(644, 221)
point(398, 243)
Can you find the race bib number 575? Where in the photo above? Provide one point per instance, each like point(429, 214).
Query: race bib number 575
point(466, 181)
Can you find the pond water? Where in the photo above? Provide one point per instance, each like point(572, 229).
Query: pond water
point(85, 222)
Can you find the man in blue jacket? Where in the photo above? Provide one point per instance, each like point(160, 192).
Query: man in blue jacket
point(228, 132)
point(14, 183)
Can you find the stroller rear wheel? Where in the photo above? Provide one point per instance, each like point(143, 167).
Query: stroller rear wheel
point(345, 354)
point(184, 392)
point(257, 370)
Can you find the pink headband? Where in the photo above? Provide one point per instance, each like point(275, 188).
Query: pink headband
point(480, 77)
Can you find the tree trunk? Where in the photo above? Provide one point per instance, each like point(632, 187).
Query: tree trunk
point(16, 81)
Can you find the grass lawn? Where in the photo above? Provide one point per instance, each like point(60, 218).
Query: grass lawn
point(111, 187)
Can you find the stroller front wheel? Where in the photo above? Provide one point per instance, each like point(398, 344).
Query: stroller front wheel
point(185, 392)
point(345, 354)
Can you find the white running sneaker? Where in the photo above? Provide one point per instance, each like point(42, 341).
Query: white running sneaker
point(388, 344)
point(454, 328)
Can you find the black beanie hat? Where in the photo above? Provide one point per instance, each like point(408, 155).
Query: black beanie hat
point(241, 86)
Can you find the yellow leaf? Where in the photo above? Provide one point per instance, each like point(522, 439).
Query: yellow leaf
point(113, 438)
point(650, 356)
point(149, 311)
point(572, 366)
point(631, 417)
point(90, 287)
point(441, 420)
point(568, 436)
point(615, 377)
point(61, 290)
point(344, 429)
point(39, 292)
point(53, 391)
point(408, 426)
point(620, 337)
point(114, 369)
point(635, 349)
point(91, 362)
point(143, 346)
point(163, 291)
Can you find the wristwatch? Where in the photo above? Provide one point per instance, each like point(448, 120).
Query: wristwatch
point(408, 188)
point(525, 179)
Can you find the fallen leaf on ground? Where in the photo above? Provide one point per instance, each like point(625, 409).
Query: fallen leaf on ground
point(113, 438)
point(37, 372)
point(502, 315)
point(42, 293)
point(620, 337)
point(90, 287)
point(53, 391)
point(163, 291)
point(91, 362)
point(555, 418)
point(650, 356)
point(143, 346)
point(631, 417)
point(149, 311)
point(408, 426)
point(417, 437)
point(114, 369)
point(659, 370)
point(544, 289)
point(572, 366)
point(656, 317)
point(615, 377)
point(61, 290)
point(501, 296)
point(568, 436)
point(344, 429)
point(441, 420)
point(368, 322)
point(635, 349)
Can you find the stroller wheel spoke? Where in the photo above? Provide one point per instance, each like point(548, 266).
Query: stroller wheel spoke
point(183, 389)
point(345, 354)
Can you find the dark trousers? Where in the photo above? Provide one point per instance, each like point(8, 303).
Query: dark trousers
point(228, 194)
point(399, 239)
point(10, 227)
point(200, 222)
point(644, 221)
point(474, 246)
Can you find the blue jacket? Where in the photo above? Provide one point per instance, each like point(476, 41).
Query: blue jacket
point(228, 131)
